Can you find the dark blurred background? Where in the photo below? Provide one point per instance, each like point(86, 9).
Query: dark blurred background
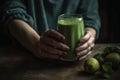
point(110, 14)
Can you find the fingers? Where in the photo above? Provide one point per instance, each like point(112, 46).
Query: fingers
point(53, 43)
point(54, 34)
point(44, 51)
point(84, 53)
point(52, 50)
point(87, 36)
point(84, 49)
point(85, 42)
point(50, 45)
point(85, 56)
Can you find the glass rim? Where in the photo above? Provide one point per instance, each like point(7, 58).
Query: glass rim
point(65, 15)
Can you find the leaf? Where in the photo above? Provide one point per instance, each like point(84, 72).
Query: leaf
point(111, 49)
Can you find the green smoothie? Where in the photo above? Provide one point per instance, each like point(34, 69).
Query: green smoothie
point(73, 29)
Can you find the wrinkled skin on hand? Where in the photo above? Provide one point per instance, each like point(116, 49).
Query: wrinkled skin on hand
point(86, 45)
point(51, 46)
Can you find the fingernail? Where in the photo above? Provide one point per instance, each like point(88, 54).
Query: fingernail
point(81, 40)
point(67, 48)
point(62, 37)
point(77, 50)
point(65, 53)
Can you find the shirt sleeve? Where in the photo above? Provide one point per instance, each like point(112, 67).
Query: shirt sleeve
point(14, 9)
point(90, 12)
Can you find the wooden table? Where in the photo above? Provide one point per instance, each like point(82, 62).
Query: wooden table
point(20, 65)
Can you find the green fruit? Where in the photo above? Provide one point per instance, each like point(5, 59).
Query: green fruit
point(114, 58)
point(107, 67)
point(91, 65)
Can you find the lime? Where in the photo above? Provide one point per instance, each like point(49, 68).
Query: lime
point(113, 57)
point(91, 65)
point(107, 67)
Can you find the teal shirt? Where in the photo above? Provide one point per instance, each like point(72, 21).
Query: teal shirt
point(42, 14)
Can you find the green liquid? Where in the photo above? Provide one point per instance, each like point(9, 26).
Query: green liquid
point(73, 30)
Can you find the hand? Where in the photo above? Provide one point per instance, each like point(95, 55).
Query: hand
point(86, 45)
point(50, 45)
point(46, 46)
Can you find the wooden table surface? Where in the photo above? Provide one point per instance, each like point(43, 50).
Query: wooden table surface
point(20, 65)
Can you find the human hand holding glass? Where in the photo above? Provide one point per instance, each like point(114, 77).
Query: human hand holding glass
point(50, 46)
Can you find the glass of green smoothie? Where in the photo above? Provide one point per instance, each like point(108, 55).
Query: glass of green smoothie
point(72, 27)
